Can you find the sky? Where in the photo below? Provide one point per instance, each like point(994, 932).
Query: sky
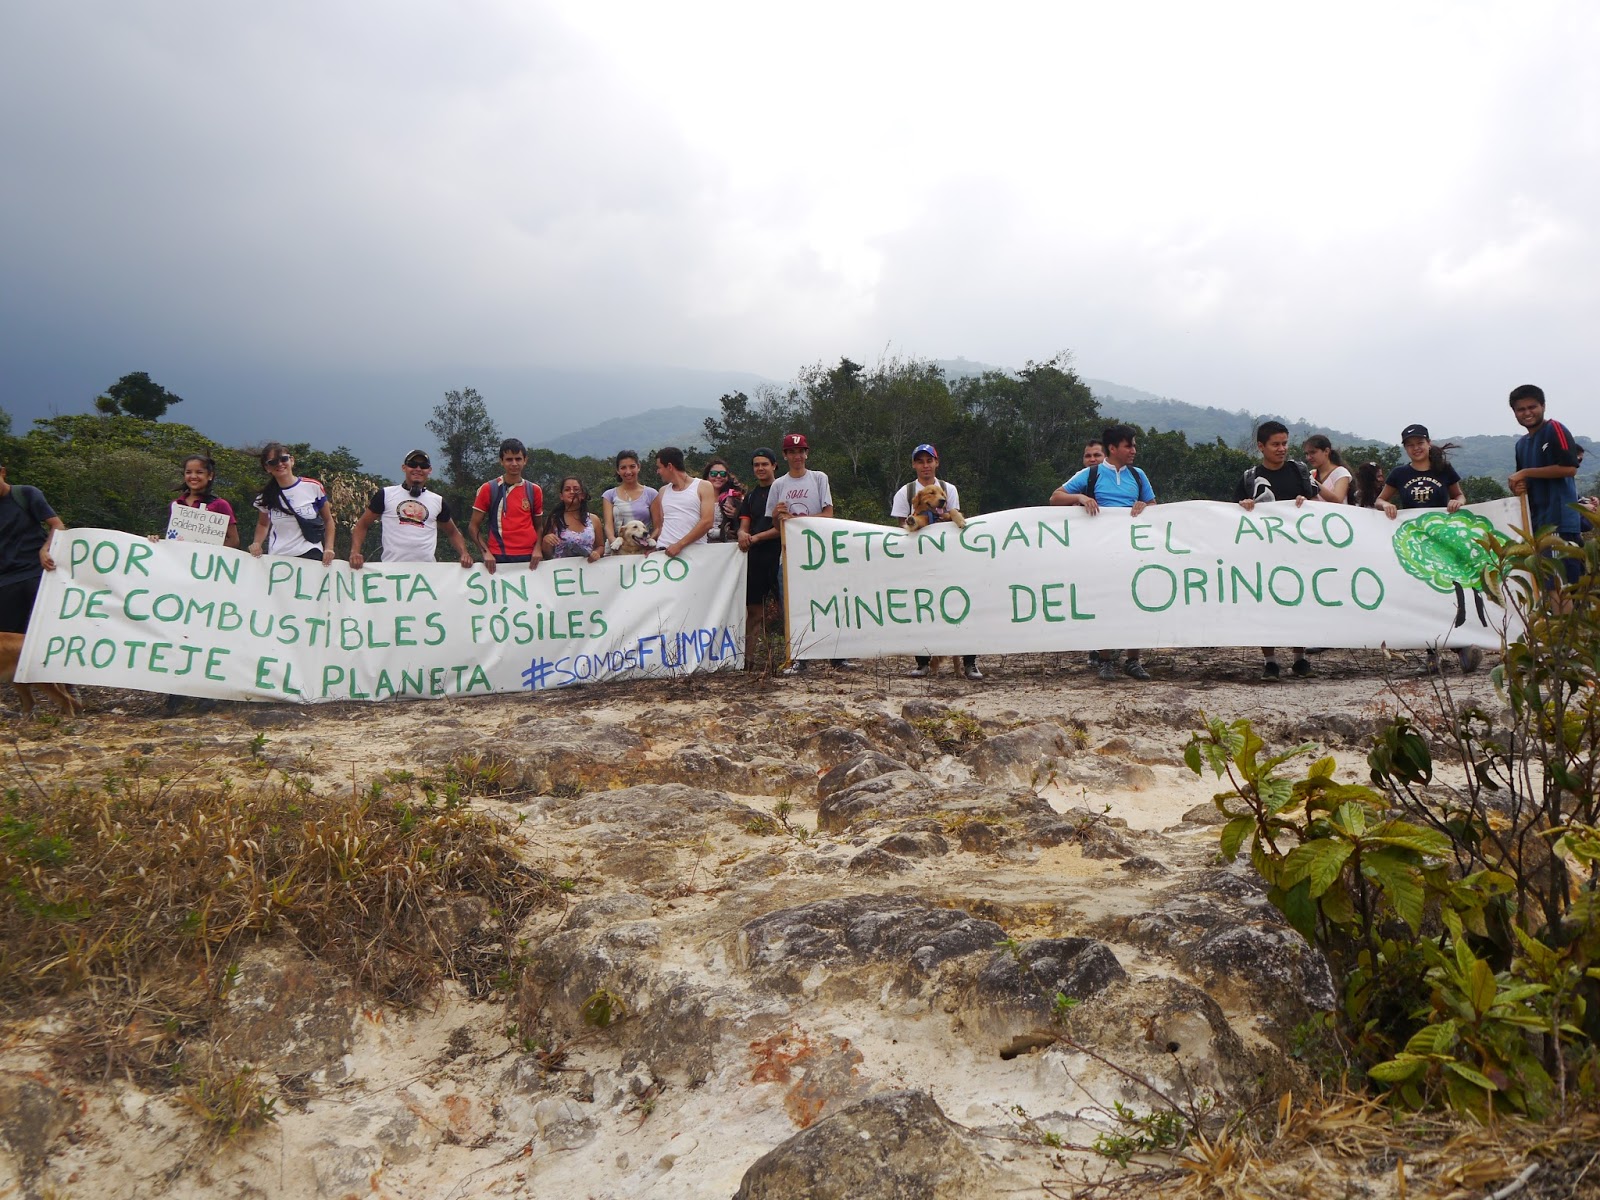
point(310, 218)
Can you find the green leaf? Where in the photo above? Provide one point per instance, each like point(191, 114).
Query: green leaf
point(1233, 835)
point(1351, 818)
point(1276, 794)
point(1323, 768)
point(1318, 862)
point(1484, 987)
point(1400, 882)
point(1433, 1039)
point(1336, 905)
point(1475, 1078)
point(1398, 1069)
point(1191, 756)
point(1300, 911)
point(1412, 837)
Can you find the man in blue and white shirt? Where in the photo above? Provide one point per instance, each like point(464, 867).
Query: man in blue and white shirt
point(1114, 483)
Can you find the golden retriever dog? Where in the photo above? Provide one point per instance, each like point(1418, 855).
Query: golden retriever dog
point(10, 655)
point(632, 538)
point(928, 506)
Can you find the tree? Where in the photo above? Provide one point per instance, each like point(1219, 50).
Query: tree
point(137, 395)
point(1479, 488)
point(468, 439)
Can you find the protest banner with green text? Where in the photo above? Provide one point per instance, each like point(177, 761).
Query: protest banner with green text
point(1191, 574)
point(200, 620)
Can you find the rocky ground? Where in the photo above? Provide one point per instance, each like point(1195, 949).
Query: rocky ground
point(846, 935)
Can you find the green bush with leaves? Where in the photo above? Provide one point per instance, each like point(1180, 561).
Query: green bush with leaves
point(1457, 909)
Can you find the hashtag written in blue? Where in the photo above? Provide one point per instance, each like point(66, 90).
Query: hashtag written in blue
point(537, 673)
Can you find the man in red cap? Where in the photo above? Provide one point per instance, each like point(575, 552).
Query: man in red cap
point(925, 461)
point(800, 493)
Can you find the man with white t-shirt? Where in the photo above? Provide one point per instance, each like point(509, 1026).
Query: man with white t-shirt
point(796, 495)
point(925, 462)
point(410, 518)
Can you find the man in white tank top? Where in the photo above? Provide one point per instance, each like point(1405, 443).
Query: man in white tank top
point(683, 511)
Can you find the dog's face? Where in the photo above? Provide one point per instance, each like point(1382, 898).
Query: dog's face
point(633, 531)
point(928, 499)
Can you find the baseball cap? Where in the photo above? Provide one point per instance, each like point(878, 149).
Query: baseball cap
point(795, 441)
point(418, 458)
point(1413, 431)
point(925, 448)
point(764, 452)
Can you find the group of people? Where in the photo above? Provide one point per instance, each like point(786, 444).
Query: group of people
point(510, 524)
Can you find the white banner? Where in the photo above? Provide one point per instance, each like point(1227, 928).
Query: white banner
point(198, 620)
point(1192, 574)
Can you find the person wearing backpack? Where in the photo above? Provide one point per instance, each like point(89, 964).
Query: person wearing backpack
point(1114, 483)
point(925, 462)
point(295, 518)
point(27, 525)
point(506, 512)
point(1277, 479)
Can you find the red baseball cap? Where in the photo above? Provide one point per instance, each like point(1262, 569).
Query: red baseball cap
point(795, 441)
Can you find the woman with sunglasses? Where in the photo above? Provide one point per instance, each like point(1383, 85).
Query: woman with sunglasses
point(729, 497)
point(296, 520)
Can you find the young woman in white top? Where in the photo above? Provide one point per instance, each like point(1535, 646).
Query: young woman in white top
point(295, 518)
point(1332, 476)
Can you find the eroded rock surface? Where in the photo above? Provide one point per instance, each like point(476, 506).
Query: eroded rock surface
point(1000, 890)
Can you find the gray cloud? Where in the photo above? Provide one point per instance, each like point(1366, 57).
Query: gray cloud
point(1391, 214)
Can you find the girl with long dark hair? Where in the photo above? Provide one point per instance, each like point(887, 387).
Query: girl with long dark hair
point(570, 529)
point(296, 519)
point(199, 477)
point(1332, 476)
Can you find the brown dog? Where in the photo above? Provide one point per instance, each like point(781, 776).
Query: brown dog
point(10, 655)
point(928, 506)
point(633, 538)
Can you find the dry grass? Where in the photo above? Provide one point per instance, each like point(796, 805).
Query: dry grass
point(127, 904)
point(1333, 1148)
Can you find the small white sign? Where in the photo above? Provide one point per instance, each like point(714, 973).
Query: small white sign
point(196, 525)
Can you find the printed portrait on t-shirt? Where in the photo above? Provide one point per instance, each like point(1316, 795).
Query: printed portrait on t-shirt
point(411, 512)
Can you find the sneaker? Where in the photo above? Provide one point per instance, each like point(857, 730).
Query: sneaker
point(794, 668)
point(1301, 667)
point(1471, 659)
point(918, 672)
point(1134, 669)
point(1269, 669)
point(972, 672)
point(1094, 658)
point(1108, 671)
point(844, 664)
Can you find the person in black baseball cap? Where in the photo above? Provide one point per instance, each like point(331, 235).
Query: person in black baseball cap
point(411, 519)
point(1426, 480)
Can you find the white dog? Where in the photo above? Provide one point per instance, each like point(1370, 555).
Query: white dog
point(632, 538)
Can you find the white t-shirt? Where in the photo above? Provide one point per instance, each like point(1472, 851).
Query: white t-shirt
point(410, 523)
point(806, 496)
point(1334, 476)
point(306, 497)
point(903, 497)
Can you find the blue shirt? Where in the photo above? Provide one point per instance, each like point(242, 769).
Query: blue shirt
point(1114, 487)
point(1551, 445)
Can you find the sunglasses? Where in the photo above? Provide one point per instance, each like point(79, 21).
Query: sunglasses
point(717, 475)
point(282, 460)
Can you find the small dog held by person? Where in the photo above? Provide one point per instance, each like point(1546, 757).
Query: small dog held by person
point(632, 538)
point(930, 506)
